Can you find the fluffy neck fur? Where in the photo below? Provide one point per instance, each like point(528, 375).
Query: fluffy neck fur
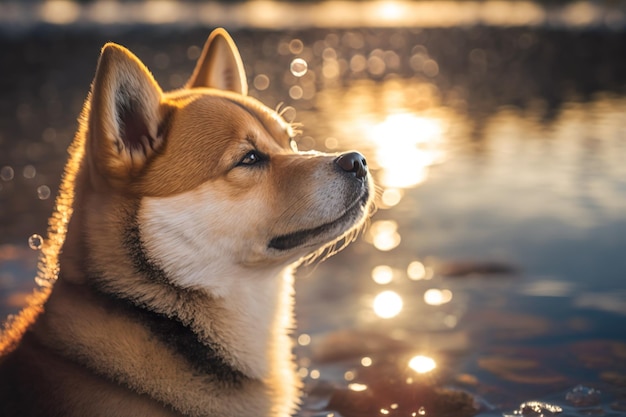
point(251, 320)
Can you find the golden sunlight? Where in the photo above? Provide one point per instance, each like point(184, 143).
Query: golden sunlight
point(391, 197)
point(59, 12)
point(390, 10)
point(422, 364)
point(387, 304)
point(436, 297)
point(405, 146)
point(416, 271)
point(357, 387)
point(304, 339)
point(382, 274)
point(384, 235)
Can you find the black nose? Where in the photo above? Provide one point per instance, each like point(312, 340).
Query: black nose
point(353, 162)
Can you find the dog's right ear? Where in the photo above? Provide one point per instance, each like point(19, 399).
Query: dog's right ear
point(124, 116)
point(220, 65)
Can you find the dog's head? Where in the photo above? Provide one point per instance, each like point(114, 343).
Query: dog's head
point(215, 176)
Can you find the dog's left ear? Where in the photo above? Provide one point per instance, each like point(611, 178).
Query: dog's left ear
point(220, 65)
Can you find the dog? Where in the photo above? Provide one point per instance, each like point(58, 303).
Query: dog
point(177, 228)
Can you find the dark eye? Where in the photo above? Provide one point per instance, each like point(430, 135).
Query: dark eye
point(251, 158)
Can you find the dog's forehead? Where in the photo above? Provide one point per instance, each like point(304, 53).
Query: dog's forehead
point(205, 102)
point(273, 123)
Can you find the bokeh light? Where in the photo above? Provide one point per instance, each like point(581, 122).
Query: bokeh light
point(391, 197)
point(387, 304)
point(43, 192)
point(7, 173)
point(357, 387)
point(304, 339)
point(384, 235)
point(35, 241)
point(436, 297)
point(60, 12)
point(416, 271)
point(298, 67)
point(422, 364)
point(382, 274)
point(261, 82)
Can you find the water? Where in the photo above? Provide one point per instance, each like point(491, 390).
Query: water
point(496, 253)
point(582, 396)
point(536, 409)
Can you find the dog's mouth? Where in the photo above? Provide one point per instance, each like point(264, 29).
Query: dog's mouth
point(340, 225)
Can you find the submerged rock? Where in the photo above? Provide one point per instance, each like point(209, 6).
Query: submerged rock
point(389, 390)
point(536, 409)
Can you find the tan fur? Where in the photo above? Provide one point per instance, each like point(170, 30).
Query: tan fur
point(169, 298)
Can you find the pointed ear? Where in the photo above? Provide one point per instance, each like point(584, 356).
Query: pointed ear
point(124, 115)
point(220, 65)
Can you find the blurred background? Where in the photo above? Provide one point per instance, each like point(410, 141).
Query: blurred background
point(491, 280)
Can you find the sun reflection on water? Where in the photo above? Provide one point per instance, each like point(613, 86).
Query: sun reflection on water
point(384, 235)
point(388, 304)
point(405, 146)
point(382, 274)
point(422, 364)
point(417, 271)
point(357, 387)
point(401, 127)
point(390, 197)
point(436, 297)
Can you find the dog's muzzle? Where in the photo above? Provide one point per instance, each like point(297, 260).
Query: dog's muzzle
point(350, 163)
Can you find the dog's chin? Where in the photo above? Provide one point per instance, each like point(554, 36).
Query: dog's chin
point(319, 236)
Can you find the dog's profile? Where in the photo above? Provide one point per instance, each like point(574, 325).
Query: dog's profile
point(178, 224)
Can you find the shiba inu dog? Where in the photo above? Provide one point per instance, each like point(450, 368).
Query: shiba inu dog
point(178, 224)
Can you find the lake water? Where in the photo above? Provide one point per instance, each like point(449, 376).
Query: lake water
point(493, 273)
